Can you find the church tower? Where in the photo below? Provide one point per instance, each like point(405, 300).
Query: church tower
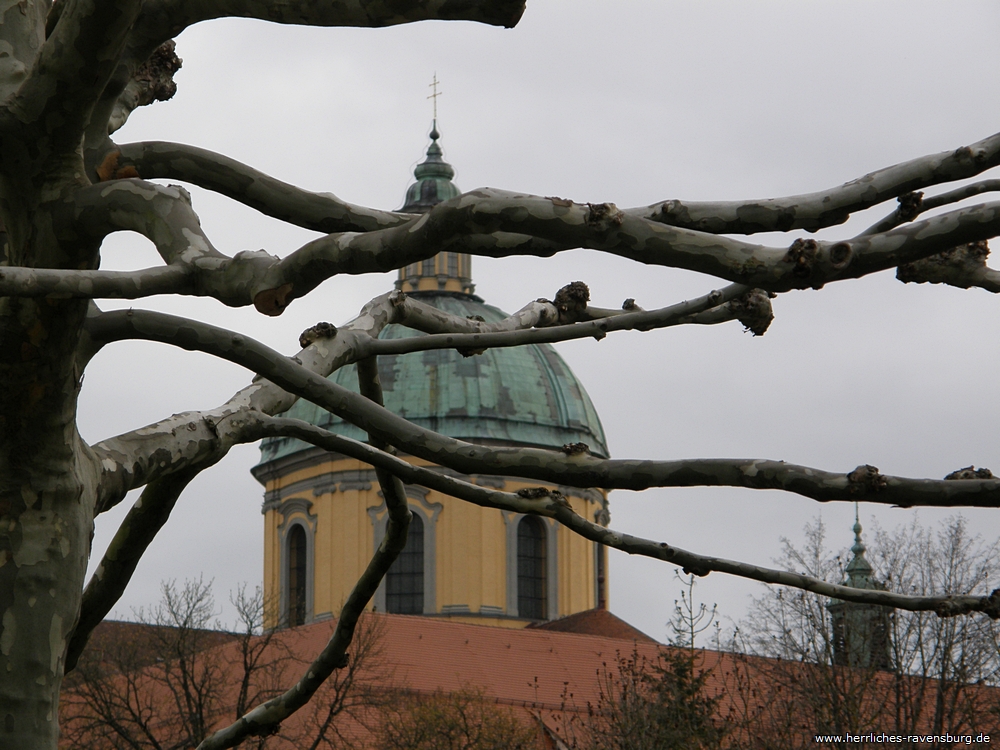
point(324, 515)
point(860, 631)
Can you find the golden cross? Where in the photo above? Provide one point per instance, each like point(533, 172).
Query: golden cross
point(435, 95)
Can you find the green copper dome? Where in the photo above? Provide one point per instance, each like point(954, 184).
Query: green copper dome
point(520, 395)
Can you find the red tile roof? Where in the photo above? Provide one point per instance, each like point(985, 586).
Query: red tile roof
point(546, 672)
point(516, 666)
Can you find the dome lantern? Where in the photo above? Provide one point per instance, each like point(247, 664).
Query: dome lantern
point(447, 271)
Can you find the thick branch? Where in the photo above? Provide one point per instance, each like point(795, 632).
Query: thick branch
point(503, 224)
point(389, 249)
point(135, 534)
point(321, 212)
point(21, 281)
point(805, 264)
point(813, 211)
point(196, 439)
point(552, 504)
point(161, 214)
point(75, 63)
point(161, 20)
point(243, 280)
point(603, 227)
point(553, 466)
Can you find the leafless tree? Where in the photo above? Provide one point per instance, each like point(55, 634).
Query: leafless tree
point(462, 720)
point(166, 679)
point(71, 73)
point(938, 667)
point(647, 703)
point(156, 682)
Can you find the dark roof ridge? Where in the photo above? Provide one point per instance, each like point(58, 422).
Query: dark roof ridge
point(595, 622)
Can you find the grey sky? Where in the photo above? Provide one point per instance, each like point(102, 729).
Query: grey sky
point(630, 102)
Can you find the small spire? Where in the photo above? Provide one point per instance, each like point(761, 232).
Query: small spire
point(859, 546)
point(859, 570)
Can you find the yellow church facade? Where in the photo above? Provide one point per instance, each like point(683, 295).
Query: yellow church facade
point(469, 554)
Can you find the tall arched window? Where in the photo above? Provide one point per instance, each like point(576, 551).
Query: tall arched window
point(531, 568)
point(404, 583)
point(296, 576)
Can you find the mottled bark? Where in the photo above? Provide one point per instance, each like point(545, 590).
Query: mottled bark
point(813, 211)
point(499, 224)
point(70, 74)
point(321, 212)
point(48, 476)
point(578, 470)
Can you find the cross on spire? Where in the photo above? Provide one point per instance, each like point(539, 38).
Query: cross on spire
point(435, 95)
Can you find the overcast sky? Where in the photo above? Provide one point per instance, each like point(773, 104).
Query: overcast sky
point(629, 102)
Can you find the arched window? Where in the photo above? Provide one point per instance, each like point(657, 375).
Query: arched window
point(296, 576)
point(531, 568)
point(404, 583)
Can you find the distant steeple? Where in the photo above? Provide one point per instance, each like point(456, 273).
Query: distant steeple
point(860, 631)
point(447, 271)
point(859, 570)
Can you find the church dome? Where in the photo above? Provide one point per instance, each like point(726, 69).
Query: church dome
point(524, 395)
point(519, 395)
point(324, 513)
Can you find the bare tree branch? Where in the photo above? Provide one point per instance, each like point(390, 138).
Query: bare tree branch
point(813, 211)
point(138, 456)
point(546, 502)
point(496, 218)
point(134, 536)
point(963, 266)
point(23, 281)
point(165, 19)
point(161, 214)
point(321, 212)
point(707, 309)
point(239, 281)
point(577, 470)
point(603, 227)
